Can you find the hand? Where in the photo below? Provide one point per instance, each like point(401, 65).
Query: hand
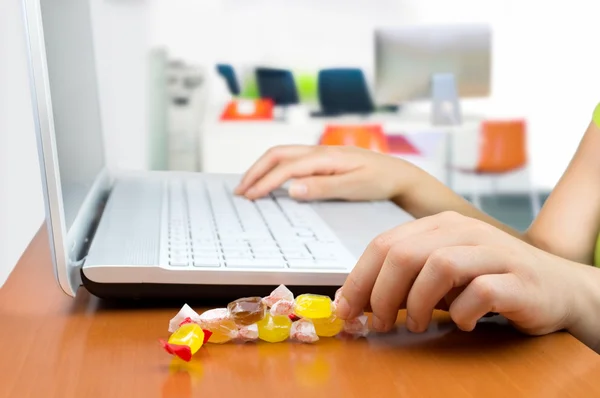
point(328, 172)
point(463, 265)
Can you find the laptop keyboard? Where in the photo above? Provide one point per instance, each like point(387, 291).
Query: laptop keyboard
point(206, 226)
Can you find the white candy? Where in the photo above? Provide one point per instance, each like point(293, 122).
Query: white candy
point(185, 312)
point(282, 307)
point(248, 333)
point(280, 293)
point(303, 331)
point(357, 327)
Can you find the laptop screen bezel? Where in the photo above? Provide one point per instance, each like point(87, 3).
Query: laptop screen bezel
point(66, 245)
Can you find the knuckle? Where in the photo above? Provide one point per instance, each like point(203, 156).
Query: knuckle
point(275, 151)
point(442, 263)
point(381, 304)
point(355, 287)
point(482, 290)
point(399, 256)
point(382, 243)
point(450, 216)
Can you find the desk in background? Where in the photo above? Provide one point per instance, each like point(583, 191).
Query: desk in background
point(54, 346)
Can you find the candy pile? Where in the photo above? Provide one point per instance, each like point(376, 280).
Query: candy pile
point(275, 318)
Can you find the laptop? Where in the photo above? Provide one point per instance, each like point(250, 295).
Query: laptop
point(165, 234)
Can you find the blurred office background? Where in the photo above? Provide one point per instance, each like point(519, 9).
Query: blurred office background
point(210, 85)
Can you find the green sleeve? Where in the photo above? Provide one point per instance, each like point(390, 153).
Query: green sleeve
point(596, 116)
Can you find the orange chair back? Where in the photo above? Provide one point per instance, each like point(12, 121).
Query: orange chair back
point(363, 136)
point(503, 146)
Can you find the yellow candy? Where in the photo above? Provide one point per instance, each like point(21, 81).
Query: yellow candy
point(274, 329)
point(185, 341)
point(328, 327)
point(313, 306)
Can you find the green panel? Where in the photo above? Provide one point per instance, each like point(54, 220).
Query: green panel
point(249, 89)
point(307, 85)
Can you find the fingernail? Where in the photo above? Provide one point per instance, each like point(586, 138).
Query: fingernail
point(298, 190)
point(411, 324)
point(343, 308)
point(378, 324)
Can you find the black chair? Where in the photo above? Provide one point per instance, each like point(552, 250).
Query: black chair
point(227, 72)
point(343, 91)
point(277, 85)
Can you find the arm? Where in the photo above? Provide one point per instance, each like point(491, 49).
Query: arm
point(428, 196)
point(585, 322)
point(569, 222)
point(567, 225)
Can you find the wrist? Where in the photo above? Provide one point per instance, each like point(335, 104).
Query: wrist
point(584, 320)
point(406, 180)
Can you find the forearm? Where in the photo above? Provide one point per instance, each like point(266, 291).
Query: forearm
point(428, 196)
point(585, 322)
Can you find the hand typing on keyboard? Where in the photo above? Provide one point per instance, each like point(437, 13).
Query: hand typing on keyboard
point(326, 172)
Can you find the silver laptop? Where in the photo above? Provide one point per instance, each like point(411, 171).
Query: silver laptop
point(167, 234)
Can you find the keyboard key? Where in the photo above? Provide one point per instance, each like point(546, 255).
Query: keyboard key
point(322, 251)
point(179, 261)
point(252, 263)
point(268, 254)
point(310, 264)
point(207, 262)
point(237, 254)
point(297, 255)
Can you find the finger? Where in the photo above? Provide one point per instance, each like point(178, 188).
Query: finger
point(313, 163)
point(269, 160)
point(406, 258)
point(339, 186)
point(356, 291)
point(448, 268)
point(501, 293)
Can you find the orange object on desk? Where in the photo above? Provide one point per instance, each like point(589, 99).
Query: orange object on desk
point(242, 110)
point(362, 136)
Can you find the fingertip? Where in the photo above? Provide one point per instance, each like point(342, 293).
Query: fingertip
point(298, 190)
point(343, 308)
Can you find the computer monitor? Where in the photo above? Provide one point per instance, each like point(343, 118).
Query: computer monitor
point(408, 59)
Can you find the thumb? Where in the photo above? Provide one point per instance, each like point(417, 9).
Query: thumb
point(321, 187)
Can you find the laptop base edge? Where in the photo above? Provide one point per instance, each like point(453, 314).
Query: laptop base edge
point(191, 293)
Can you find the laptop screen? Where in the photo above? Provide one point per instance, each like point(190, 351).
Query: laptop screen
point(75, 101)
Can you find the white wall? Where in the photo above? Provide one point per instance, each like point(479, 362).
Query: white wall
point(120, 44)
point(21, 203)
point(544, 65)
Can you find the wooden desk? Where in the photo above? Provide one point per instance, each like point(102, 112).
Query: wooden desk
point(54, 346)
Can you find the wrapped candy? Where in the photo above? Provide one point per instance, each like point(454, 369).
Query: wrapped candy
point(313, 306)
point(248, 333)
point(219, 322)
point(247, 311)
point(184, 313)
point(186, 340)
point(274, 329)
point(357, 327)
point(280, 293)
point(273, 319)
point(282, 307)
point(304, 331)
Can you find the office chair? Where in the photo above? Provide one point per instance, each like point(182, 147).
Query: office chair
point(342, 91)
point(277, 85)
point(227, 72)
